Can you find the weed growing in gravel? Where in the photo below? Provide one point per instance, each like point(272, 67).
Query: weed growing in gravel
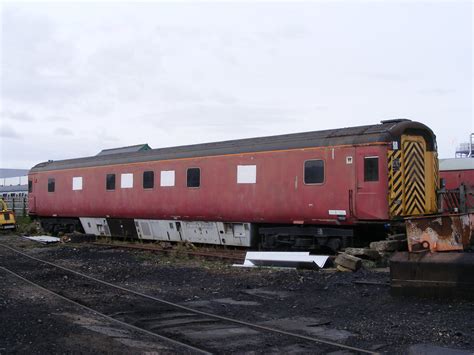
point(211, 264)
point(26, 226)
point(143, 256)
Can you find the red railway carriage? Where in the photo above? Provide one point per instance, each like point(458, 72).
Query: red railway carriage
point(457, 171)
point(457, 180)
point(297, 190)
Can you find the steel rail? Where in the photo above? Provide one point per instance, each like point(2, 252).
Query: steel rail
point(161, 337)
point(203, 254)
point(211, 315)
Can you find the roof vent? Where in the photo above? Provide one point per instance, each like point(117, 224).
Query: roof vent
point(129, 149)
point(396, 120)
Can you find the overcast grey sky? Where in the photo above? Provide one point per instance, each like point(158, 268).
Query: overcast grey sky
point(77, 78)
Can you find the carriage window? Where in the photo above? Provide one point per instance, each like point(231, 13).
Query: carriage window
point(371, 169)
point(148, 179)
point(194, 177)
point(313, 172)
point(110, 182)
point(30, 186)
point(51, 185)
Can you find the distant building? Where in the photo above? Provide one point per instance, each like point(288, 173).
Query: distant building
point(13, 182)
point(453, 164)
point(466, 150)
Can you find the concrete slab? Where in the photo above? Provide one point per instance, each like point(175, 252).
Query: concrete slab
point(311, 326)
point(109, 331)
point(172, 315)
point(126, 338)
point(267, 294)
point(198, 304)
point(154, 347)
point(219, 333)
point(177, 322)
point(364, 253)
point(430, 349)
point(292, 349)
point(231, 301)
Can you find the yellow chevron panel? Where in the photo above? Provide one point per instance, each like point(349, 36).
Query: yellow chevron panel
point(395, 183)
point(414, 149)
point(413, 178)
point(432, 182)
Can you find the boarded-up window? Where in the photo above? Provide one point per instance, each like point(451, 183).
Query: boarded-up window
point(193, 177)
point(246, 174)
point(77, 183)
point(148, 179)
point(371, 169)
point(167, 178)
point(110, 182)
point(314, 172)
point(126, 181)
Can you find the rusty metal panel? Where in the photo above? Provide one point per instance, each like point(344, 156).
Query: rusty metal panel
point(439, 233)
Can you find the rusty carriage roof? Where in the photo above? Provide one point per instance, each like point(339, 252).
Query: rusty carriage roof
point(386, 131)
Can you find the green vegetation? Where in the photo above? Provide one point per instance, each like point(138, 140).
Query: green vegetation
point(145, 256)
point(25, 225)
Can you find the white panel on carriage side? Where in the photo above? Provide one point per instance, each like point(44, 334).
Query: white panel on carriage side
point(200, 232)
point(239, 230)
point(167, 178)
point(143, 229)
point(172, 229)
point(146, 230)
point(166, 230)
point(126, 181)
point(163, 230)
point(77, 183)
point(236, 234)
point(246, 174)
point(96, 226)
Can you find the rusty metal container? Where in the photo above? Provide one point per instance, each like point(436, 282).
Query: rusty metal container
point(429, 274)
point(438, 263)
point(440, 233)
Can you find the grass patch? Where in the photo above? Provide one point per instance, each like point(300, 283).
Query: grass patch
point(25, 225)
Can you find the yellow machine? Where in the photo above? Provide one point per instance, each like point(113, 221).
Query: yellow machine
point(7, 217)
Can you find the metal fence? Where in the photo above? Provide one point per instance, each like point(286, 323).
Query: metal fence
point(456, 200)
point(18, 204)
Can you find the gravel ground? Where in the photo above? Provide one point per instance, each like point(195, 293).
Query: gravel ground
point(326, 304)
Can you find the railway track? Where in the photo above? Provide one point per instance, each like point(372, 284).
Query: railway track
point(225, 256)
point(191, 329)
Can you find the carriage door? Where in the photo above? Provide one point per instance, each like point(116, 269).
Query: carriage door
point(31, 199)
point(413, 178)
point(369, 201)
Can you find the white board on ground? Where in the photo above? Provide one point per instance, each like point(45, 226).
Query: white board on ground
point(43, 239)
point(283, 259)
